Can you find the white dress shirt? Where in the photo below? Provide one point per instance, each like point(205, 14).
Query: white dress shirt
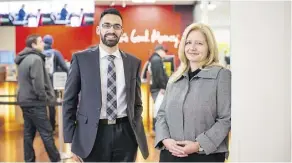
point(120, 83)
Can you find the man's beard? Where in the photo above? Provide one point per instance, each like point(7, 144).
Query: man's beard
point(110, 42)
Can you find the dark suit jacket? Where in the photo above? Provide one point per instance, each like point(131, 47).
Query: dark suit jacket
point(82, 101)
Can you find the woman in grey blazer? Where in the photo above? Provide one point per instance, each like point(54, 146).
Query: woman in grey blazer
point(193, 121)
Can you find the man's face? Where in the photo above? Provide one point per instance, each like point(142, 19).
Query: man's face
point(110, 30)
point(39, 45)
point(164, 54)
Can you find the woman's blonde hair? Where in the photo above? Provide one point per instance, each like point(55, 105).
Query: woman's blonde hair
point(212, 56)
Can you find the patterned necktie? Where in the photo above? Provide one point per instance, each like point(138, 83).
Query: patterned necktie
point(111, 105)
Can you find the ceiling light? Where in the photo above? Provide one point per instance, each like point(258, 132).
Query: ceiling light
point(143, 1)
point(112, 4)
point(210, 6)
point(124, 4)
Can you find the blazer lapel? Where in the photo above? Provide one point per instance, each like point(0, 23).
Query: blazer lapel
point(127, 72)
point(95, 72)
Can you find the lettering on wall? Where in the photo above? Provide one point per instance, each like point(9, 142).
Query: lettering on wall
point(154, 36)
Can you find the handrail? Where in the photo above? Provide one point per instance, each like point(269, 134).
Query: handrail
point(8, 95)
point(27, 103)
point(30, 104)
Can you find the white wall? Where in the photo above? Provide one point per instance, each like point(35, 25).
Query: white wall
point(261, 76)
point(220, 16)
point(217, 18)
point(219, 21)
point(7, 38)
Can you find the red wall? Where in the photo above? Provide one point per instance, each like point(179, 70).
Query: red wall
point(68, 39)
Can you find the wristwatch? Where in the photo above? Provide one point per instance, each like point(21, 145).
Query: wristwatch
point(200, 148)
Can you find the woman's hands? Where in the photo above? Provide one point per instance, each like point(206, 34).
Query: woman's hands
point(189, 146)
point(181, 148)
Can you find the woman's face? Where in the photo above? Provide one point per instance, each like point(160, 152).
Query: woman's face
point(196, 47)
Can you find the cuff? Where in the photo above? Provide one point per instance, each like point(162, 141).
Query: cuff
point(68, 134)
point(159, 145)
point(206, 144)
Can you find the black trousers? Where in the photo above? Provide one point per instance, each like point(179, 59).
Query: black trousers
point(114, 143)
point(36, 119)
point(166, 156)
point(52, 115)
point(154, 94)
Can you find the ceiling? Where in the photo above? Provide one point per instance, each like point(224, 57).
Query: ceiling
point(158, 2)
point(128, 2)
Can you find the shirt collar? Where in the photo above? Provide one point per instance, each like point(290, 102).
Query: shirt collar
point(104, 54)
point(210, 72)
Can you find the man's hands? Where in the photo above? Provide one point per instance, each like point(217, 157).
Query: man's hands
point(76, 158)
point(181, 148)
point(162, 91)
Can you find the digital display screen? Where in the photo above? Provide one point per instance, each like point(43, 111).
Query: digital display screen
point(6, 57)
point(40, 13)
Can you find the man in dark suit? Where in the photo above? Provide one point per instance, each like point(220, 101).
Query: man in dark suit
point(102, 102)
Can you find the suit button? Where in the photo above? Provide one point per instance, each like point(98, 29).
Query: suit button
point(134, 124)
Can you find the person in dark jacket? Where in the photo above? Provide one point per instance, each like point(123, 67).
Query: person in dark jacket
point(59, 62)
point(34, 93)
point(159, 78)
point(58, 65)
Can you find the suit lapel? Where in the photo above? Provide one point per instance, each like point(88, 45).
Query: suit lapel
point(127, 72)
point(95, 71)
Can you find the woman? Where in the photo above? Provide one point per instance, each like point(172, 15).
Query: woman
point(194, 118)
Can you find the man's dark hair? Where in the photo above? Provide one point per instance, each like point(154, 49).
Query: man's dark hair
point(112, 11)
point(31, 39)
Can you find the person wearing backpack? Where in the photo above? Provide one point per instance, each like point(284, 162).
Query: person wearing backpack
point(54, 63)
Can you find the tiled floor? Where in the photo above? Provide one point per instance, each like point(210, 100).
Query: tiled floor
point(11, 147)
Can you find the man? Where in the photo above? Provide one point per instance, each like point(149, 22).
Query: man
point(107, 126)
point(81, 17)
point(39, 18)
point(21, 13)
point(64, 13)
point(159, 78)
point(55, 63)
point(59, 62)
point(34, 93)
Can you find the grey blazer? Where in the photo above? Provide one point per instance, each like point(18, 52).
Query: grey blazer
point(81, 113)
point(197, 110)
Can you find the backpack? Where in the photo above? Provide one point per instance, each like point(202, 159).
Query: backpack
point(49, 61)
